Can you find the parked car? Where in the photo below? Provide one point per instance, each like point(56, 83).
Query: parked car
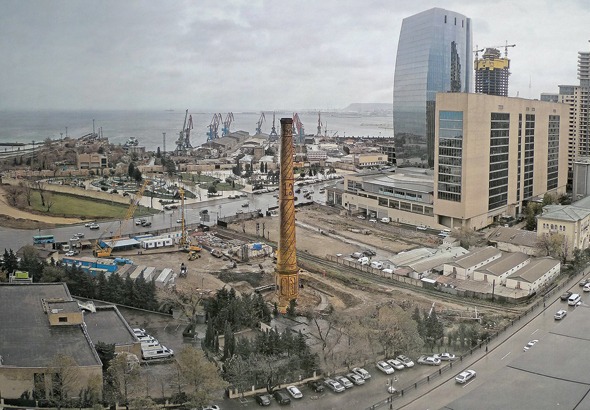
point(263, 399)
point(70, 253)
point(584, 282)
point(449, 357)
point(405, 360)
point(565, 296)
point(146, 224)
point(429, 360)
point(396, 364)
point(421, 228)
point(94, 226)
point(373, 220)
point(211, 407)
point(344, 381)
point(560, 314)
point(465, 376)
point(139, 332)
point(80, 234)
point(281, 397)
point(362, 372)
point(385, 367)
point(361, 217)
point(530, 344)
point(355, 378)
point(334, 385)
point(295, 392)
point(586, 287)
point(315, 385)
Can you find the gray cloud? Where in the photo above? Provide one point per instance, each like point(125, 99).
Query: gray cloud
point(250, 55)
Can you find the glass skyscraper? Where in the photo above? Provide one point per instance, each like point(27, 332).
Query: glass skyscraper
point(434, 55)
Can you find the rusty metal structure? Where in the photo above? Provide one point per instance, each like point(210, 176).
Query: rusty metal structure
point(287, 272)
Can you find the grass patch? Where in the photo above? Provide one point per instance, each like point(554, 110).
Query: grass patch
point(81, 207)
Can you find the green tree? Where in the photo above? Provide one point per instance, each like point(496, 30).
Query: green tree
point(131, 170)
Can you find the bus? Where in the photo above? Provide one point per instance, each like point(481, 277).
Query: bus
point(40, 239)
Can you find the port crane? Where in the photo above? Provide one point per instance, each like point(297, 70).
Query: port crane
point(184, 142)
point(104, 250)
point(319, 134)
point(228, 120)
point(259, 123)
point(273, 132)
point(298, 126)
point(214, 127)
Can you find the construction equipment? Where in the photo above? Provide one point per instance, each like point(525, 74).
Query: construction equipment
point(193, 255)
point(273, 132)
point(185, 243)
point(298, 126)
point(259, 123)
point(184, 142)
point(213, 132)
point(104, 250)
point(226, 124)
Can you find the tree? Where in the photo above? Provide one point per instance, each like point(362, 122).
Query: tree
point(122, 379)
point(200, 376)
point(9, 261)
point(65, 375)
point(13, 194)
point(551, 244)
point(212, 189)
point(239, 373)
point(189, 301)
point(531, 211)
point(28, 192)
point(131, 170)
point(137, 176)
point(433, 329)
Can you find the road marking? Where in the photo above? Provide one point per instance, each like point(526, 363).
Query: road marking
point(534, 332)
point(505, 356)
point(468, 383)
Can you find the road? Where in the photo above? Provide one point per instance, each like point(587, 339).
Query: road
point(217, 207)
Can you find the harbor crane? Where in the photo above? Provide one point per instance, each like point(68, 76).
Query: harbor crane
point(226, 124)
point(273, 132)
point(184, 142)
point(259, 123)
point(103, 249)
point(214, 127)
point(298, 126)
point(319, 134)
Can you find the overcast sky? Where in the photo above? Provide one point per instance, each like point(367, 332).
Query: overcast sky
point(237, 55)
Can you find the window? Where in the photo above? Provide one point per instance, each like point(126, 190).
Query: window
point(63, 319)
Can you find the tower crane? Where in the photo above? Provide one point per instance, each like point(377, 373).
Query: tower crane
point(104, 250)
point(185, 243)
point(505, 46)
point(228, 120)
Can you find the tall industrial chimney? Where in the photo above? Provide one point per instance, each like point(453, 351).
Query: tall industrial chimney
point(287, 272)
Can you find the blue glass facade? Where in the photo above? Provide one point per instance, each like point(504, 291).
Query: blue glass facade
point(434, 55)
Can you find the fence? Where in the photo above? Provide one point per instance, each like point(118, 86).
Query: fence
point(481, 345)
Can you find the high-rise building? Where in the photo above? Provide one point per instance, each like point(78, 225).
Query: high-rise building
point(434, 55)
point(494, 155)
point(492, 72)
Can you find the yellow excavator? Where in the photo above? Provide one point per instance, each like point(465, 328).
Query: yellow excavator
point(185, 243)
point(104, 250)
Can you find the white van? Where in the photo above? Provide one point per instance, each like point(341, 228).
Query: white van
point(162, 353)
point(147, 345)
point(377, 265)
point(147, 339)
point(574, 299)
point(364, 260)
point(388, 271)
point(385, 220)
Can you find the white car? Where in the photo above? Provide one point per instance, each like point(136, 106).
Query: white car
point(361, 217)
point(295, 392)
point(80, 234)
point(465, 376)
point(139, 332)
point(560, 314)
point(449, 357)
point(344, 381)
point(373, 220)
point(94, 226)
point(355, 378)
point(586, 287)
point(87, 224)
point(334, 385)
point(362, 372)
point(396, 364)
point(385, 367)
point(530, 344)
point(405, 360)
point(421, 228)
point(70, 253)
point(429, 360)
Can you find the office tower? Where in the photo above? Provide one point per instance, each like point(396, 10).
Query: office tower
point(494, 155)
point(578, 99)
point(492, 72)
point(434, 55)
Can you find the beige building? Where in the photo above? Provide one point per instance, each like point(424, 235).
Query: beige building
point(40, 325)
point(370, 160)
point(494, 154)
point(571, 222)
point(92, 161)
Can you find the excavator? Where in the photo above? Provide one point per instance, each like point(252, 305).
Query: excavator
point(104, 250)
point(185, 242)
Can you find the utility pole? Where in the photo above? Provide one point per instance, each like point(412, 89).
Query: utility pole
point(163, 143)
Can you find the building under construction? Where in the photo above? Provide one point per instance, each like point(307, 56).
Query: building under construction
point(492, 72)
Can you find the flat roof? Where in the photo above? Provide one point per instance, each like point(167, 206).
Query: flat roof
point(106, 325)
point(27, 339)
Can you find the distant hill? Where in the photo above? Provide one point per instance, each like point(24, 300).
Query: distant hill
point(368, 107)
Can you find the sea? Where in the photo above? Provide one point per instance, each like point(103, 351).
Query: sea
point(34, 127)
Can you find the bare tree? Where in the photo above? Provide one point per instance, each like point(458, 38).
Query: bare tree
point(65, 375)
point(551, 244)
point(40, 186)
point(28, 192)
point(13, 194)
point(239, 373)
point(189, 301)
point(124, 378)
point(329, 331)
point(49, 201)
point(200, 375)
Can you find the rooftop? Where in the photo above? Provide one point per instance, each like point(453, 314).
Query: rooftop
point(107, 325)
point(27, 339)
